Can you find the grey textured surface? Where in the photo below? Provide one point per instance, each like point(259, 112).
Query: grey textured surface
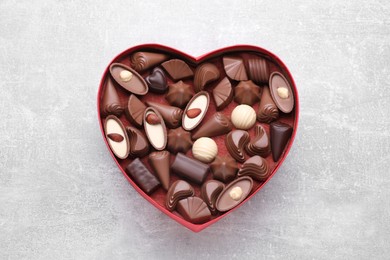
point(62, 196)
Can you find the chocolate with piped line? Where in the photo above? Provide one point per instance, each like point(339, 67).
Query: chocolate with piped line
point(235, 142)
point(128, 79)
point(259, 145)
point(143, 60)
point(142, 176)
point(218, 124)
point(171, 115)
point(268, 111)
point(255, 167)
point(156, 132)
point(189, 168)
point(209, 193)
point(179, 190)
point(111, 104)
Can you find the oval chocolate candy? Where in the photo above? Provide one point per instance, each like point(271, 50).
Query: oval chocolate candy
point(117, 137)
point(128, 79)
point(200, 102)
point(281, 92)
point(155, 128)
point(234, 194)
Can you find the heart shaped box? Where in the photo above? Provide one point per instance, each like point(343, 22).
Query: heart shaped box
point(197, 60)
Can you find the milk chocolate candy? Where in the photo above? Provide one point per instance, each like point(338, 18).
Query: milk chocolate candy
point(281, 92)
point(160, 164)
point(258, 69)
point(280, 134)
point(190, 169)
point(234, 194)
point(128, 79)
point(179, 94)
point(194, 210)
point(111, 104)
point(268, 111)
point(135, 111)
point(204, 74)
point(179, 190)
point(155, 128)
point(259, 145)
point(195, 110)
point(235, 142)
point(219, 124)
point(247, 92)
point(177, 69)
point(157, 81)
point(223, 94)
point(143, 60)
point(179, 140)
point(255, 167)
point(142, 176)
point(235, 68)
point(209, 193)
point(224, 168)
point(171, 115)
point(116, 137)
point(139, 146)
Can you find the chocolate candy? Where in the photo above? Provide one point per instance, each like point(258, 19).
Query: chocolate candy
point(243, 117)
point(209, 193)
point(234, 194)
point(234, 67)
point(235, 142)
point(135, 111)
point(268, 111)
point(128, 79)
point(199, 102)
point(160, 164)
point(194, 210)
point(179, 94)
point(247, 92)
point(280, 134)
point(177, 69)
point(139, 146)
point(142, 176)
point(157, 81)
point(171, 115)
point(259, 145)
point(224, 168)
point(204, 149)
point(255, 167)
point(117, 137)
point(190, 169)
point(281, 92)
point(258, 69)
point(155, 128)
point(204, 74)
point(142, 60)
point(179, 190)
point(219, 124)
point(223, 94)
point(111, 104)
point(179, 140)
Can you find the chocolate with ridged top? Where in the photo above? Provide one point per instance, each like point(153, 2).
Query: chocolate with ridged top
point(134, 111)
point(258, 69)
point(160, 164)
point(204, 74)
point(143, 60)
point(194, 210)
point(209, 193)
point(190, 169)
point(259, 145)
point(280, 133)
point(179, 190)
point(255, 167)
point(268, 111)
point(219, 124)
point(223, 94)
point(171, 115)
point(111, 104)
point(234, 67)
point(224, 168)
point(139, 146)
point(179, 140)
point(177, 69)
point(179, 94)
point(235, 142)
point(142, 176)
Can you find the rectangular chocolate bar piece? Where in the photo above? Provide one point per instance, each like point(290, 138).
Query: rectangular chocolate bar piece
point(190, 169)
point(142, 176)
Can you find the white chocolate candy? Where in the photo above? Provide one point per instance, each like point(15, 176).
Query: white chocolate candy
point(243, 117)
point(282, 92)
point(236, 193)
point(125, 75)
point(204, 149)
point(113, 125)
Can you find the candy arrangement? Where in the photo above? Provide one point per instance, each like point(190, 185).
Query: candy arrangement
point(198, 138)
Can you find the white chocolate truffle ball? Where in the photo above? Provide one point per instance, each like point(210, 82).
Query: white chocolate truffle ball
point(243, 117)
point(204, 149)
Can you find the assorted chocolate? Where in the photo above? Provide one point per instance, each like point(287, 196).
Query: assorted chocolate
point(171, 127)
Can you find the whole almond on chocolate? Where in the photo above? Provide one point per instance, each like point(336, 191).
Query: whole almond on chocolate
point(115, 137)
point(194, 112)
point(152, 119)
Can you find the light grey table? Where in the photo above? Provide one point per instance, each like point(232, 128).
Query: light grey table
point(62, 196)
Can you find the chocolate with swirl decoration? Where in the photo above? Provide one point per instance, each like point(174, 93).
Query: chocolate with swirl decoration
point(260, 144)
point(139, 146)
point(255, 167)
point(171, 115)
point(204, 74)
point(219, 124)
point(209, 193)
point(268, 111)
point(179, 190)
point(142, 60)
point(111, 104)
point(235, 143)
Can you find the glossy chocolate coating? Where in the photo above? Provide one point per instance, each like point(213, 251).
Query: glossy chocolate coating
point(247, 92)
point(200, 101)
point(209, 193)
point(259, 145)
point(117, 137)
point(157, 81)
point(143, 60)
point(268, 111)
point(235, 68)
point(223, 94)
point(179, 190)
point(111, 104)
point(225, 202)
point(139, 145)
point(190, 169)
point(156, 133)
point(194, 210)
point(134, 111)
point(258, 69)
point(179, 94)
point(276, 81)
point(160, 164)
point(204, 74)
point(219, 124)
point(136, 84)
point(171, 115)
point(235, 142)
point(280, 133)
point(179, 140)
point(142, 176)
point(224, 168)
point(177, 69)
point(255, 167)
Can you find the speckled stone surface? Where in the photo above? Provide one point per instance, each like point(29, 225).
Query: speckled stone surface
point(62, 196)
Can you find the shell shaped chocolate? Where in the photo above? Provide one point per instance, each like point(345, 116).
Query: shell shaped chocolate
point(255, 167)
point(235, 68)
point(204, 74)
point(223, 94)
point(135, 110)
point(177, 69)
point(139, 145)
point(194, 210)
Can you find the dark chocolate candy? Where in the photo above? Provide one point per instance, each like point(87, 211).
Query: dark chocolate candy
point(160, 164)
point(259, 145)
point(142, 176)
point(268, 111)
point(235, 142)
point(134, 111)
point(157, 81)
point(224, 168)
point(209, 193)
point(234, 194)
point(258, 69)
point(179, 190)
point(190, 169)
point(179, 140)
point(177, 69)
point(234, 67)
point(128, 78)
point(143, 60)
point(200, 101)
point(111, 104)
point(280, 133)
point(171, 115)
point(223, 94)
point(117, 137)
point(204, 74)
point(219, 124)
point(179, 94)
point(194, 210)
point(247, 93)
point(281, 92)
point(139, 146)
point(155, 131)
point(255, 167)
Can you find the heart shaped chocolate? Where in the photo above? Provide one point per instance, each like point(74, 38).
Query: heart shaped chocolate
point(227, 118)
